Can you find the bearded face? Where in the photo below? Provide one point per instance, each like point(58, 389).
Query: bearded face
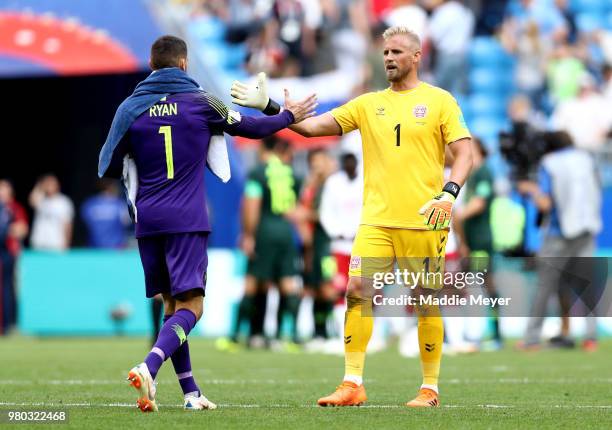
point(401, 56)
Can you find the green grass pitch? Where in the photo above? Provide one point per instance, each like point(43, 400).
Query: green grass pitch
point(260, 389)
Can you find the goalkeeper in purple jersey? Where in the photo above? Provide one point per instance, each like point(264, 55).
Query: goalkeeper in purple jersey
point(162, 138)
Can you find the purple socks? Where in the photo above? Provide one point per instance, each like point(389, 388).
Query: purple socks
point(171, 336)
point(172, 342)
point(182, 367)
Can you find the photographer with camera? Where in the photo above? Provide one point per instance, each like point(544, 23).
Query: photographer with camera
point(523, 146)
point(568, 194)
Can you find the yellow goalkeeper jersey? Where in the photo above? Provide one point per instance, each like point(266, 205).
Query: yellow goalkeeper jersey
point(403, 136)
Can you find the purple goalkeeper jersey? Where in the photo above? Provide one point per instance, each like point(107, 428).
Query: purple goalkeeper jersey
point(169, 144)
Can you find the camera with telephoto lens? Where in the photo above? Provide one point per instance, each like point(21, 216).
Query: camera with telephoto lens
point(523, 147)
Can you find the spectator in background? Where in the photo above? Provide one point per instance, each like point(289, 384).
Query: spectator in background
point(53, 216)
point(292, 29)
point(351, 32)
point(604, 39)
point(407, 13)
point(606, 72)
point(17, 232)
point(340, 213)
point(313, 37)
point(340, 210)
point(564, 72)
point(375, 78)
point(268, 236)
point(267, 54)
point(565, 9)
point(320, 17)
point(212, 7)
point(244, 19)
point(568, 192)
point(532, 52)
point(451, 27)
point(106, 217)
point(545, 14)
point(521, 111)
point(5, 222)
point(319, 269)
point(587, 118)
point(472, 224)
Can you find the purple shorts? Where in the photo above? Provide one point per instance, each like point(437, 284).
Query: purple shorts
point(174, 263)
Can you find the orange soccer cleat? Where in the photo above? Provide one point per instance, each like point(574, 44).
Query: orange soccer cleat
point(346, 394)
point(140, 378)
point(425, 399)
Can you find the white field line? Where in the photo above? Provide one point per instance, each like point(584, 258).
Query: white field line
point(277, 406)
point(165, 381)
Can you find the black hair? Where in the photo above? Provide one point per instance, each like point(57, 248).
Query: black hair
point(559, 139)
point(167, 51)
point(275, 143)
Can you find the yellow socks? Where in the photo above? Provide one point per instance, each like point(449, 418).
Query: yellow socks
point(431, 337)
point(358, 326)
point(358, 323)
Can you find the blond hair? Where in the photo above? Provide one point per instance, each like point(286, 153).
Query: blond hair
point(404, 31)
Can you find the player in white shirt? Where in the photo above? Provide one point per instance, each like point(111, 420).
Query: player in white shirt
point(340, 214)
point(53, 216)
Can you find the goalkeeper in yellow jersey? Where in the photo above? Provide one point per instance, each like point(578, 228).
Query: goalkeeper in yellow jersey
point(406, 212)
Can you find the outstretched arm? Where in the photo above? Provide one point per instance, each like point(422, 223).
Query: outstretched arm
point(222, 119)
point(320, 125)
point(256, 128)
point(256, 96)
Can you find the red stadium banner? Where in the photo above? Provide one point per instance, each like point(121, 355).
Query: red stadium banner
point(64, 47)
point(297, 141)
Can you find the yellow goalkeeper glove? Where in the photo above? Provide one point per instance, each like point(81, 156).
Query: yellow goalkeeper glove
point(437, 212)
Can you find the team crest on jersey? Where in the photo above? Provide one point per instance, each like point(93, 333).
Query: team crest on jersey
point(380, 111)
point(355, 262)
point(420, 111)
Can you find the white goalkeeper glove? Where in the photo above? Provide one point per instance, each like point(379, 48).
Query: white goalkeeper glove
point(254, 95)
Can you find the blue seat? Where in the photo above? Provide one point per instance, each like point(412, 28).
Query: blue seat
point(487, 127)
point(464, 104)
point(498, 165)
point(490, 140)
point(236, 54)
point(486, 51)
point(589, 6)
point(487, 104)
point(587, 22)
point(492, 81)
point(207, 29)
point(213, 54)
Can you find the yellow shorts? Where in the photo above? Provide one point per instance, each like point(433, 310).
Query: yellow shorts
point(376, 249)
